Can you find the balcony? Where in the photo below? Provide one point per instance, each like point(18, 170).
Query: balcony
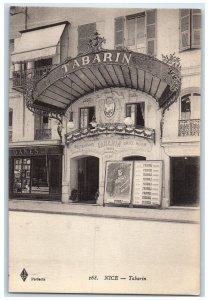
point(43, 134)
point(189, 127)
point(19, 77)
point(110, 128)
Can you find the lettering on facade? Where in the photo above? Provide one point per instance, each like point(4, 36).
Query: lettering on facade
point(103, 57)
point(34, 151)
point(111, 145)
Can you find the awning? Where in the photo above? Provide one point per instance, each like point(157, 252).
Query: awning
point(85, 74)
point(37, 44)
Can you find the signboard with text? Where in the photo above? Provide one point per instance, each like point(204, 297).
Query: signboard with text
point(147, 184)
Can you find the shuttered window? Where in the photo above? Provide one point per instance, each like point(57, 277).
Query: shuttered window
point(85, 32)
point(151, 31)
point(119, 33)
point(137, 32)
point(190, 29)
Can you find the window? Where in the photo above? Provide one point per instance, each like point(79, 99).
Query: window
point(137, 32)
point(190, 106)
point(86, 116)
point(85, 32)
point(190, 29)
point(10, 117)
point(10, 123)
point(41, 126)
point(136, 112)
point(37, 175)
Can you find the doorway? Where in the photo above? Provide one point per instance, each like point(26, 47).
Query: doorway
point(185, 181)
point(88, 179)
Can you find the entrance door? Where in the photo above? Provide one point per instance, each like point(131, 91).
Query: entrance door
point(185, 181)
point(88, 179)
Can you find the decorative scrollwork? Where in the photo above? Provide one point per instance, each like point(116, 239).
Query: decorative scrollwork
point(174, 70)
point(35, 108)
point(94, 44)
point(110, 128)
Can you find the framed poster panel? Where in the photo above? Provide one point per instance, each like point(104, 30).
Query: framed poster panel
point(118, 182)
point(147, 185)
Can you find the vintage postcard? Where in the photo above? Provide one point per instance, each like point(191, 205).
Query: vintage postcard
point(104, 150)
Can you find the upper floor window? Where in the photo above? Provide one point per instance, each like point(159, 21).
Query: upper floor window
point(136, 112)
point(85, 32)
point(190, 106)
point(137, 32)
point(86, 116)
point(10, 123)
point(190, 29)
point(10, 117)
point(42, 127)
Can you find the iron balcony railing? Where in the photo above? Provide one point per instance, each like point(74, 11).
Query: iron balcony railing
point(110, 128)
point(189, 127)
point(43, 134)
point(36, 74)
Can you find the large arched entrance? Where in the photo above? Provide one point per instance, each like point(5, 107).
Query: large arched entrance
point(85, 170)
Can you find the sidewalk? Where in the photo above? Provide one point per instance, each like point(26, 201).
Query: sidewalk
point(177, 215)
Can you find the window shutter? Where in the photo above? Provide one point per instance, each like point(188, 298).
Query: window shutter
point(85, 32)
point(119, 33)
point(196, 28)
point(151, 31)
point(185, 29)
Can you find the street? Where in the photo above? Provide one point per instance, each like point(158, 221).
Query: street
point(72, 254)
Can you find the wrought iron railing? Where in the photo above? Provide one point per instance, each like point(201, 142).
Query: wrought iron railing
point(110, 128)
point(43, 134)
point(189, 127)
point(36, 74)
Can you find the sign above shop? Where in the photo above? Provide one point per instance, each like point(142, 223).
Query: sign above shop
point(35, 151)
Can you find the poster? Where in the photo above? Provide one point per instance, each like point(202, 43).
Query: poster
point(147, 183)
point(118, 181)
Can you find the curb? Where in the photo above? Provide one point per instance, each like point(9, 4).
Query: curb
point(122, 217)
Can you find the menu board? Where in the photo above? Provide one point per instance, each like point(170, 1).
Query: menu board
point(147, 183)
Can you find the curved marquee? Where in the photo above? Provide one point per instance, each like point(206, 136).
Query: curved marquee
point(84, 74)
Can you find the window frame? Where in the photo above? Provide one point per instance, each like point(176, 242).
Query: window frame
point(191, 94)
point(191, 30)
point(124, 30)
point(136, 103)
point(79, 120)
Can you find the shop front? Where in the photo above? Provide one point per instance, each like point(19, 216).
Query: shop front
point(36, 172)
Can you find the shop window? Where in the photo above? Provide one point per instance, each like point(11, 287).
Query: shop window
point(137, 32)
point(86, 117)
point(136, 112)
point(37, 175)
point(22, 175)
point(85, 32)
point(190, 106)
point(190, 29)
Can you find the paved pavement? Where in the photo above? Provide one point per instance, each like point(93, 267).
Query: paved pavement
point(172, 214)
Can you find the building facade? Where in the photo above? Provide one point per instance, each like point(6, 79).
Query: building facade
point(93, 86)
